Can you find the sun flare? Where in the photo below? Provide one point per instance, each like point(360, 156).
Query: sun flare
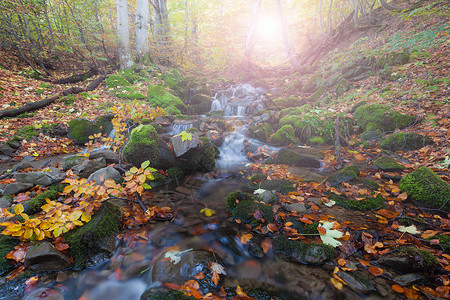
point(268, 27)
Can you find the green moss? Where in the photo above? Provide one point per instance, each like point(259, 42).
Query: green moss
point(115, 80)
point(7, 245)
point(175, 172)
point(371, 134)
point(370, 184)
point(286, 102)
point(288, 157)
point(237, 197)
point(86, 240)
point(81, 129)
point(157, 96)
point(72, 161)
point(27, 132)
point(283, 136)
point(282, 186)
point(261, 131)
point(310, 228)
point(34, 205)
point(424, 186)
point(387, 163)
point(317, 94)
point(405, 141)
point(257, 178)
point(292, 111)
point(367, 204)
point(349, 173)
point(421, 258)
point(201, 158)
point(316, 140)
point(127, 92)
point(245, 211)
point(164, 294)
point(381, 115)
point(201, 103)
point(444, 241)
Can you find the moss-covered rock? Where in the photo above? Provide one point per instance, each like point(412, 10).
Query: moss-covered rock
point(286, 102)
point(367, 204)
point(72, 161)
point(282, 186)
point(299, 252)
point(261, 131)
point(257, 178)
point(283, 136)
point(144, 144)
point(369, 184)
point(175, 172)
point(164, 294)
point(200, 158)
point(128, 93)
point(27, 132)
point(90, 239)
point(81, 129)
point(34, 205)
point(424, 186)
point(7, 245)
point(288, 157)
point(371, 135)
point(245, 211)
point(317, 94)
point(405, 141)
point(237, 197)
point(317, 140)
point(342, 86)
point(157, 96)
point(383, 117)
point(349, 173)
point(115, 80)
point(201, 103)
point(387, 163)
point(419, 259)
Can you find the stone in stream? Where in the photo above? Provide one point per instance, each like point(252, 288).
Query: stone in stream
point(180, 147)
point(357, 282)
point(100, 176)
point(45, 257)
point(181, 266)
point(17, 187)
point(110, 156)
point(43, 178)
point(88, 167)
point(72, 161)
point(163, 293)
point(5, 202)
point(298, 252)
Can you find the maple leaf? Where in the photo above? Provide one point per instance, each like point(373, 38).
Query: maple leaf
point(218, 268)
point(410, 229)
point(259, 191)
point(185, 136)
point(330, 235)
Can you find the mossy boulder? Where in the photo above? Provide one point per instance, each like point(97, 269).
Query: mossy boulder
point(81, 129)
point(418, 259)
point(317, 140)
point(127, 92)
point(283, 136)
point(7, 244)
point(317, 94)
point(387, 163)
point(200, 158)
point(116, 80)
point(34, 205)
point(369, 203)
point(201, 103)
point(161, 293)
point(236, 197)
point(371, 135)
point(349, 173)
point(424, 186)
point(303, 253)
point(246, 212)
point(286, 102)
point(72, 161)
point(405, 141)
point(157, 96)
point(288, 157)
point(381, 117)
point(261, 131)
point(144, 144)
point(95, 237)
point(342, 86)
point(27, 132)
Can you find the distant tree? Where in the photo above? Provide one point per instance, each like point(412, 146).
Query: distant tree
point(123, 35)
point(141, 30)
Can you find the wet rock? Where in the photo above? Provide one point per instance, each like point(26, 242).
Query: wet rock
point(136, 269)
point(88, 167)
point(43, 178)
point(50, 294)
point(45, 257)
point(7, 150)
point(100, 176)
point(387, 163)
point(396, 263)
point(180, 147)
point(17, 187)
point(22, 166)
point(162, 293)
point(72, 161)
point(7, 244)
point(292, 158)
point(297, 207)
point(95, 237)
point(181, 266)
point(269, 197)
point(5, 202)
point(299, 252)
point(110, 156)
point(347, 174)
point(408, 279)
point(282, 186)
point(357, 282)
point(111, 289)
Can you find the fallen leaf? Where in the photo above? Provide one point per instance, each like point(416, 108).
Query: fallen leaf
point(336, 283)
point(375, 271)
point(410, 229)
point(208, 212)
point(330, 234)
point(215, 278)
point(245, 238)
point(398, 288)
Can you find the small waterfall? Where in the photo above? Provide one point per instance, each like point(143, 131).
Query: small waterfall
point(179, 127)
point(238, 100)
point(231, 152)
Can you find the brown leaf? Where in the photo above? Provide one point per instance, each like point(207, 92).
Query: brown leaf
point(375, 271)
point(215, 278)
point(245, 238)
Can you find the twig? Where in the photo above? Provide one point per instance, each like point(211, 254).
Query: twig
point(338, 143)
point(141, 204)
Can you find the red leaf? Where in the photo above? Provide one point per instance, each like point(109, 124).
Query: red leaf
point(215, 278)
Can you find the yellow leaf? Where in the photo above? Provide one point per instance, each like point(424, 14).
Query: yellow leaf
point(75, 215)
point(40, 234)
point(85, 217)
point(77, 222)
point(18, 209)
point(208, 212)
point(28, 233)
point(14, 227)
point(57, 232)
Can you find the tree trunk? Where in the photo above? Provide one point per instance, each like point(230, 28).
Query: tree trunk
point(123, 35)
point(287, 45)
point(141, 30)
point(255, 6)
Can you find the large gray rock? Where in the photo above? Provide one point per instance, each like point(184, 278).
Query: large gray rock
point(17, 187)
point(72, 161)
point(88, 167)
point(180, 147)
point(100, 176)
point(110, 156)
point(5, 202)
point(46, 257)
point(43, 178)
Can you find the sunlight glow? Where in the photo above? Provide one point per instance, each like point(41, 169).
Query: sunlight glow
point(268, 27)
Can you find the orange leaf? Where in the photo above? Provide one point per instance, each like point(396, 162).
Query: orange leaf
point(32, 280)
point(240, 292)
point(398, 288)
point(402, 196)
point(336, 283)
point(364, 263)
point(199, 276)
point(411, 293)
point(375, 271)
point(341, 262)
point(272, 227)
point(429, 233)
point(245, 238)
point(321, 230)
point(266, 245)
point(215, 278)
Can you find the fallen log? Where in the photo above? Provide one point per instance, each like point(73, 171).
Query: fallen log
point(77, 77)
